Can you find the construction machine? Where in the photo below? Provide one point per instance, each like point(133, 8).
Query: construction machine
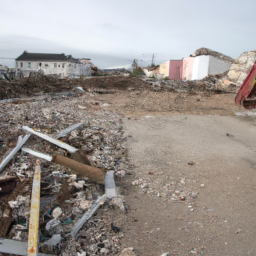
point(246, 95)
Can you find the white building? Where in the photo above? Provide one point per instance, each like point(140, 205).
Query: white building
point(61, 64)
point(205, 65)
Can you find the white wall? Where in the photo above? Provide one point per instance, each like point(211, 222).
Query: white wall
point(217, 66)
point(48, 67)
point(200, 67)
point(69, 69)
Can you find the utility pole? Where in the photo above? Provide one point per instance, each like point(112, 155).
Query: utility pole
point(152, 63)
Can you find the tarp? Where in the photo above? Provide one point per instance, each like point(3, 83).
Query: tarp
point(247, 90)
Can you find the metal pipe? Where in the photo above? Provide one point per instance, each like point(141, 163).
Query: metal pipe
point(37, 153)
point(67, 130)
point(14, 151)
point(93, 173)
point(50, 139)
point(88, 214)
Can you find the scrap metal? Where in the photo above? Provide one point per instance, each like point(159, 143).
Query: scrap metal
point(50, 139)
point(14, 151)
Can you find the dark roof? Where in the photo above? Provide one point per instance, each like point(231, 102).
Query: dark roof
point(46, 56)
point(152, 68)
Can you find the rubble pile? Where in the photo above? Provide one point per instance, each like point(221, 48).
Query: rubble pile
point(241, 68)
point(182, 190)
point(65, 195)
point(51, 84)
point(95, 71)
point(34, 84)
point(113, 82)
point(214, 83)
point(119, 72)
point(206, 51)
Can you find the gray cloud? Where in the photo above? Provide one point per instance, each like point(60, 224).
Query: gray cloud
point(113, 33)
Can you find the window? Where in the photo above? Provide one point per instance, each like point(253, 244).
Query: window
point(63, 65)
point(29, 64)
point(46, 65)
point(40, 64)
point(55, 65)
point(58, 66)
point(75, 65)
point(21, 64)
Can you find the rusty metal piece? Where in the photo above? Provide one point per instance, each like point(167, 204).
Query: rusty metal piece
point(7, 184)
point(34, 213)
point(20, 190)
point(81, 157)
point(64, 193)
point(94, 174)
point(5, 219)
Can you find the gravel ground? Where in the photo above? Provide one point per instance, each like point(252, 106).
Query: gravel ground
point(215, 217)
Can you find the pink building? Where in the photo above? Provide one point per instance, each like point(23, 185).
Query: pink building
point(187, 68)
point(175, 69)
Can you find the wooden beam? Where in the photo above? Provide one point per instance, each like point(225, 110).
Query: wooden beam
point(34, 212)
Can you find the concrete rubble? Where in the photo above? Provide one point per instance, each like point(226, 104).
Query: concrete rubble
point(65, 195)
point(206, 51)
point(241, 68)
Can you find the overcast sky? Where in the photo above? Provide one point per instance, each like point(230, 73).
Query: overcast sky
point(114, 32)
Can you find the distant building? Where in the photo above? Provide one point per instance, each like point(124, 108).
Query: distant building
point(152, 71)
point(164, 68)
point(202, 63)
point(194, 68)
point(175, 69)
point(61, 64)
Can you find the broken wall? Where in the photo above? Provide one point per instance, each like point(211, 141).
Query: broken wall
point(241, 67)
point(200, 67)
point(217, 66)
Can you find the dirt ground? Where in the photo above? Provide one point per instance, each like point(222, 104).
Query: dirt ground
point(146, 102)
point(219, 220)
point(204, 208)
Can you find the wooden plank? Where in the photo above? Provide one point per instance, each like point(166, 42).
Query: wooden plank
point(34, 213)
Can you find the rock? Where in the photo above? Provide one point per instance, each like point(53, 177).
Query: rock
point(54, 240)
point(83, 253)
point(85, 204)
point(94, 248)
point(127, 252)
point(165, 254)
point(53, 227)
point(104, 251)
point(56, 212)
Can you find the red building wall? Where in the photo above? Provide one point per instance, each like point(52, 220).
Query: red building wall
point(175, 69)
